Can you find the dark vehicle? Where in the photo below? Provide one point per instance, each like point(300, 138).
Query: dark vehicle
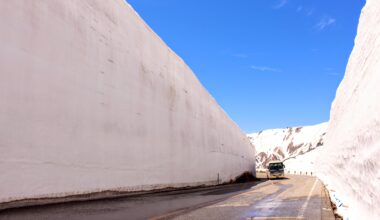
point(275, 169)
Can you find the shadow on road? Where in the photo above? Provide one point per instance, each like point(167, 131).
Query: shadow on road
point(235, 187)
point(145, 206)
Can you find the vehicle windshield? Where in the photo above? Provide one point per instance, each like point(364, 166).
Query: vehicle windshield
point(273, 166)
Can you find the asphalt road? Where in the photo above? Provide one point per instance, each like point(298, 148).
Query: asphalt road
point(295, 197)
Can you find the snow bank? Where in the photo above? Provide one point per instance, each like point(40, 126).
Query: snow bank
point(350, 160)
point(92, 99)
point(305, 163)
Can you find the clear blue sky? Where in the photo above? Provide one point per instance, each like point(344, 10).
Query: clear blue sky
point(268, 63)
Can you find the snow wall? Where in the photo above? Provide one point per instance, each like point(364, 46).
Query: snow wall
point(91, 99)
point(350, 160)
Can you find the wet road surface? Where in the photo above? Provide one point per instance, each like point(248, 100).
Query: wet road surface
point(295, 197)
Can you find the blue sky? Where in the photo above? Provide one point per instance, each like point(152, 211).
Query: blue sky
point(268, 63)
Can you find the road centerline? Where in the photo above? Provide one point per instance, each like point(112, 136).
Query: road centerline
point(304, 206)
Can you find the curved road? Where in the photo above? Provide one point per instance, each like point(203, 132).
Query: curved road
point(295, 197)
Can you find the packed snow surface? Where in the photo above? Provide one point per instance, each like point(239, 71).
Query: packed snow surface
point(91, 99)
point(350, 162)
point(293, 145)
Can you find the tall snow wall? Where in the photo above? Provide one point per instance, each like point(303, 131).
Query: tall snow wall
point(91, 99)
point(350, 161)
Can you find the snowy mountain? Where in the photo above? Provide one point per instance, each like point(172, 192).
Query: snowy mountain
point(288, 143)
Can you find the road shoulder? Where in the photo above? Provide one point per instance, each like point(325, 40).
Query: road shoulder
point(327, 212)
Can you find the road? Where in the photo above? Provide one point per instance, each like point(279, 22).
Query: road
point(295, 197)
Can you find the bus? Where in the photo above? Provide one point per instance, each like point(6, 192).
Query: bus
point(275, 169)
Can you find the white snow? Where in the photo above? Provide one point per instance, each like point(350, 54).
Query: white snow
point(91, 99)
point(304, 163)
point(350, 161)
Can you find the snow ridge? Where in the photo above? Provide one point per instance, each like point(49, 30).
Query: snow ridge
point(287, 143)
